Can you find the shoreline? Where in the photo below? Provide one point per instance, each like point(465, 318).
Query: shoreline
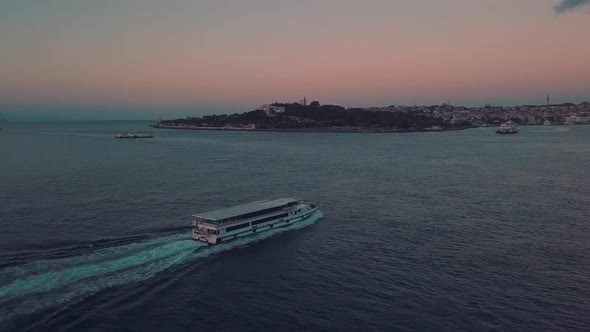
point(316, 130)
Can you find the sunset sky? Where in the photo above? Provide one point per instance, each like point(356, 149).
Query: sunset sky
point(215, 56)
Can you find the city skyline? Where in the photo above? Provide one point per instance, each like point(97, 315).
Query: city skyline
point(229, 56)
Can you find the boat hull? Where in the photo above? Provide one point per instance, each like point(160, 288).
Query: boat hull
point(134, 137)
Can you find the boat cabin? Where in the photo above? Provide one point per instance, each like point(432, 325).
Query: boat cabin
point(213, 219)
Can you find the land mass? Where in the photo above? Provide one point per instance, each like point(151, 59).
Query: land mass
point(300, 117)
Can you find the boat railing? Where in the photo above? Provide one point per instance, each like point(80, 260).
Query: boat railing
point(203, 232)
point(232, 221)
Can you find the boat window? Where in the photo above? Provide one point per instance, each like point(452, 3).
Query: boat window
point(261, 212)
point(240, 226)
point(269, 219)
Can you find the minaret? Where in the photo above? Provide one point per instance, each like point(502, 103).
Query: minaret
point(547, 101)
point(304, 101)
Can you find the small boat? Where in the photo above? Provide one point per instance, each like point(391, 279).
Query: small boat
point(133, 134)
point(547, 123)
point(223, 225)
point(507, 128)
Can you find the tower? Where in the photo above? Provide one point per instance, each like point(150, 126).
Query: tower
point(304, 101)
point(547, 101)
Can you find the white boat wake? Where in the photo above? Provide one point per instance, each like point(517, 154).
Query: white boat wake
point(37, 285)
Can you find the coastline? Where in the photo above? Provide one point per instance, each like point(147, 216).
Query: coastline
point(314, 130)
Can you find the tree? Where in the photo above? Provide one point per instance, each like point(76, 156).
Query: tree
point(314, 104)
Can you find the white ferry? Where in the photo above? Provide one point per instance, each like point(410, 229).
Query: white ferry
point(133, 134)
point(247, 219)
point(507, 128)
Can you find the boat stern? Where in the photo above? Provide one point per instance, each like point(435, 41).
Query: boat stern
point(203, 237)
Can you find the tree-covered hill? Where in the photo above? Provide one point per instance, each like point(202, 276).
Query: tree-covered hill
point(314, 115)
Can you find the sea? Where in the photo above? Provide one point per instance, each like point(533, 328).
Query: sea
point(436, 231)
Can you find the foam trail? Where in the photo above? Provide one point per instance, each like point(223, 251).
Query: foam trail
point(68, 280)
point(54, 279)
point(105, 254)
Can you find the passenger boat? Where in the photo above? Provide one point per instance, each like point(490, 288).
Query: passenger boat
point(223, 225)
point(507, 128)
point(133, 134)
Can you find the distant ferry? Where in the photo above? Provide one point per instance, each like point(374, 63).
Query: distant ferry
point(507, 128)
point(247, 219)
point(132, 134)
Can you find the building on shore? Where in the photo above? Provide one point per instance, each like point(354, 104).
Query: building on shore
point(270, 110)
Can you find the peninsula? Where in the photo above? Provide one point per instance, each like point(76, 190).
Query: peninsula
point(301, 117)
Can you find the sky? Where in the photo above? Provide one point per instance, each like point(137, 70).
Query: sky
point(151, 58)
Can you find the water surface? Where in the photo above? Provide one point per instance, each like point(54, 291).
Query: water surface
point(463, 230)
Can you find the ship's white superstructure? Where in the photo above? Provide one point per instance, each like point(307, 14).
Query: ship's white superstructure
point(133, 134)
point(507, 128)
point(247, 219)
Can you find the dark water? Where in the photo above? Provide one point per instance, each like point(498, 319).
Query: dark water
point(461, 230)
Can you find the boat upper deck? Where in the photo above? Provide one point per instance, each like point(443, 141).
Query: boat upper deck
point(245, 209)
